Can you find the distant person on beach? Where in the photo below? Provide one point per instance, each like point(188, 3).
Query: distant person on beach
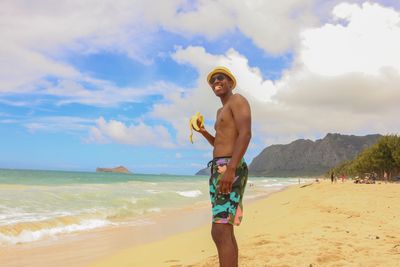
point(374, 176)
point(332, 177)
point(228, 168)
point(385, 177)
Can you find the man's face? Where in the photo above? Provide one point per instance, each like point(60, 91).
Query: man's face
point(220, 84)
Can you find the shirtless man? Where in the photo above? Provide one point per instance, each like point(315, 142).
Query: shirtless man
point(228, 168)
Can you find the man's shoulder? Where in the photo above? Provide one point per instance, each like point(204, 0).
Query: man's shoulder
point(238, 98)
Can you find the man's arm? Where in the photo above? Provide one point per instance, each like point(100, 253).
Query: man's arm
point(205, 134)
point(242, 117)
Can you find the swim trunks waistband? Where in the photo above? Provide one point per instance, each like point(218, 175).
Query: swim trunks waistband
point(221, 160)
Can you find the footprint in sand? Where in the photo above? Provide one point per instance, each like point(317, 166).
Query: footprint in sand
point(170, 261)
point(262, 242)
point(261, 235)
point(395, 249)
point(325, 258)
point(294, 253)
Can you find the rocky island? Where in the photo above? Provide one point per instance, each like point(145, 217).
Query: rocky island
point(119, 169)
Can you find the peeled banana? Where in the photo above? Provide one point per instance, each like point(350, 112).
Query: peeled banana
point(193, 124)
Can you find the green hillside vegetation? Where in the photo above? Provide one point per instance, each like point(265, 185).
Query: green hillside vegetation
point(384, 156)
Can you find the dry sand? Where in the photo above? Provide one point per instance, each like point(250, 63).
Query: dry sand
point(322, 224)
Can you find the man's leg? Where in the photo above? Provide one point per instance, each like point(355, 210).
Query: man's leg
point(236, 247)
point(225, 241)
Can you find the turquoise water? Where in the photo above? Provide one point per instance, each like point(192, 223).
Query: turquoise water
point(43, 177)
point(40, 204)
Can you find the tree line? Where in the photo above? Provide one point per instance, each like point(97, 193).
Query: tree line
point(383, 157)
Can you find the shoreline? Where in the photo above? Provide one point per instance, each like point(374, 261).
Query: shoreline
point(82, 248)
point(317, 223)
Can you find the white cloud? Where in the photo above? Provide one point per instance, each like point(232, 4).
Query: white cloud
point(137, 135)
point(36, 38)
point(346, 78)
point(104, 93)
point(330, 88)
point(21, 67)
point(65, 124)
point(273, 26)
point(367, 43)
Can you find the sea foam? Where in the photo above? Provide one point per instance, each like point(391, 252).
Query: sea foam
point(192, 193)
point(26, 236)
point(273, 185)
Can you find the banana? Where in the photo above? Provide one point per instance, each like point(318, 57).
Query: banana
point(193, 124)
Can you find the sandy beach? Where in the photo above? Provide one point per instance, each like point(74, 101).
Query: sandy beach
point(321, 224)
point(318, 224)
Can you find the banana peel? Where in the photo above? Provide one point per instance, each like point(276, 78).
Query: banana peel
point(193, 124)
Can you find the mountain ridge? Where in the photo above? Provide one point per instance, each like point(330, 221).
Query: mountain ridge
point(304, 157)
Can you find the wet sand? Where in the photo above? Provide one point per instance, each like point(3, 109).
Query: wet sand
point(82, 248)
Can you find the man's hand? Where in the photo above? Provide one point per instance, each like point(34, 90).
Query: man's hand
point(225, 185)
point(199, 124)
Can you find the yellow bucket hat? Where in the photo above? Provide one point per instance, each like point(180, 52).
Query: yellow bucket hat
point(221, 69)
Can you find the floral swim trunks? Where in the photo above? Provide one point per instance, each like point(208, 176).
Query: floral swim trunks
point(227, 208)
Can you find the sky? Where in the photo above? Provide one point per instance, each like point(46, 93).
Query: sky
point(86, 84)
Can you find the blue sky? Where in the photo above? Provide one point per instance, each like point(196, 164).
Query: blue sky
point(96, 86)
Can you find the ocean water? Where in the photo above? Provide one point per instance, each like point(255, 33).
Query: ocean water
point(36, 205)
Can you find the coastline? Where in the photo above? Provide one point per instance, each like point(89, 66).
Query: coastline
point(318, 224)
point(82, 248)
point(323, 224)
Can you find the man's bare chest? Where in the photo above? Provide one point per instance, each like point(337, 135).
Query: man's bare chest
point(224, 118)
